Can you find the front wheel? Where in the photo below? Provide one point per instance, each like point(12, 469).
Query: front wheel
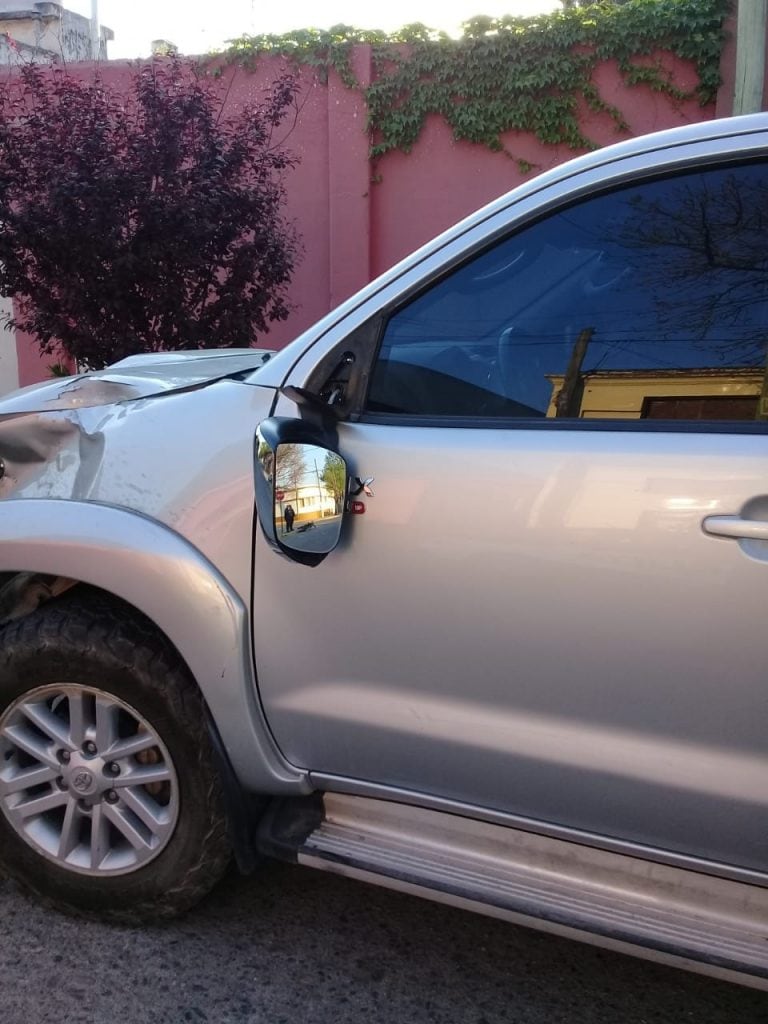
point(110, 803)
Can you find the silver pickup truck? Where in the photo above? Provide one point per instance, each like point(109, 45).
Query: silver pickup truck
point(462, 593)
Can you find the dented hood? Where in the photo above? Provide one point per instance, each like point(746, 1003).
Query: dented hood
point(140, 376)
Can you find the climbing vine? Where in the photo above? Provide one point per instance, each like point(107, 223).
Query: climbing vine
point(510, 74)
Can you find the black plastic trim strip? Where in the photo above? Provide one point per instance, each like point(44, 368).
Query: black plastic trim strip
point(603, 425)
point(287, 825)
point(242, 808)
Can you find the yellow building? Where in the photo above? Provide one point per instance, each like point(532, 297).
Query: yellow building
point(722, 394)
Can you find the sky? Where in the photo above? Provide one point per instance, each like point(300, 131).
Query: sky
point(197, 26)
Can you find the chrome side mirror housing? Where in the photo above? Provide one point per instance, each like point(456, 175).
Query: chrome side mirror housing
point(301, 489)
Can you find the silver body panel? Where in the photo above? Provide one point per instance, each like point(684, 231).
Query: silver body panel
point(548, 643)
point(531, 625)
point(587, 656)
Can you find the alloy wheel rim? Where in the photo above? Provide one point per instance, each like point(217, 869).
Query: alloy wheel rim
point(85, 780)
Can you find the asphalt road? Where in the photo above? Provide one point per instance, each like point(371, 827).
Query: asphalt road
point(320, 536)
point(294, 945)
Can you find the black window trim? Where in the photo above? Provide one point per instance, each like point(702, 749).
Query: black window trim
point(646, 426)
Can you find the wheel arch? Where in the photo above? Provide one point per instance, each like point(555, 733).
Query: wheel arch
point(153, 569)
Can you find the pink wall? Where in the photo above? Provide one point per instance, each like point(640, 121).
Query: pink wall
point(353, 228)
point(32, 365)
point(441, 180)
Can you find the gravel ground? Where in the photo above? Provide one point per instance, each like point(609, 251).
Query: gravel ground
point(293, 945)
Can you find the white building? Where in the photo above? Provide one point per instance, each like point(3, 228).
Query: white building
point(47, 32)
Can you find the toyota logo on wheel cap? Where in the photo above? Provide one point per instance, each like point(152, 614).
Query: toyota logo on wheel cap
point(83, 781)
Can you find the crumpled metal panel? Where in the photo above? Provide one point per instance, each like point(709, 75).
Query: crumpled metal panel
point(52, 434)
point(136, 377)
point(39, 445)
point(183, 457)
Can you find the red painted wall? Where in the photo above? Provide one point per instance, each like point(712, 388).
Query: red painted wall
point(32, 365)
point(353, 228)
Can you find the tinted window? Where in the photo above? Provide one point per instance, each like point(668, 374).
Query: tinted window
point(648, 302)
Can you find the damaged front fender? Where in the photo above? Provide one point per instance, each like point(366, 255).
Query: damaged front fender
point(159, 573)
point(52, 433)
point(144, 489)
point(53, 455)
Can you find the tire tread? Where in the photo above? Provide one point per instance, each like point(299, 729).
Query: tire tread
point(86, 621)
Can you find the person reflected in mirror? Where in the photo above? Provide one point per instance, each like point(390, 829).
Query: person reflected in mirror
point(290, 515)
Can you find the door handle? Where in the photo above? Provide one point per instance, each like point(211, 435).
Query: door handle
point(735, 526)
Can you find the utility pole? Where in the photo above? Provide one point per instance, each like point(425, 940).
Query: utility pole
point(95, 31)
point(752, 18)
point(568, 402)
point(319, 492)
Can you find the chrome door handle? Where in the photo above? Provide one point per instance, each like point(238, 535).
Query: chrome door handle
point(735, 526)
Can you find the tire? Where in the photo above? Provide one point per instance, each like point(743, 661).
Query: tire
point(128, 823)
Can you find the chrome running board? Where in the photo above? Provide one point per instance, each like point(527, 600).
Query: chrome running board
point(713, 925)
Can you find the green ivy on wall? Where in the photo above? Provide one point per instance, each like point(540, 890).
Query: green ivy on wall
point(510, 74)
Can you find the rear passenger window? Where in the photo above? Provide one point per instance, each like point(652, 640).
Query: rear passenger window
point(650, 302)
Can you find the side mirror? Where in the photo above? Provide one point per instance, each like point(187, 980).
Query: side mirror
point(301, 490)
point(310, 489)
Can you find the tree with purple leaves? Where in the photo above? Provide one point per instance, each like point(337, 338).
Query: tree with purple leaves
point(144, 221)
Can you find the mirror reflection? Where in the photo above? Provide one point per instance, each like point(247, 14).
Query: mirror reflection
point(310, 490)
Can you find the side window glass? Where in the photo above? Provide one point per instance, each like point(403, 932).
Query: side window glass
point(650, 302)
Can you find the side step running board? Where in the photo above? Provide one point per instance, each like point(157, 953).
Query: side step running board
point(701, 922)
